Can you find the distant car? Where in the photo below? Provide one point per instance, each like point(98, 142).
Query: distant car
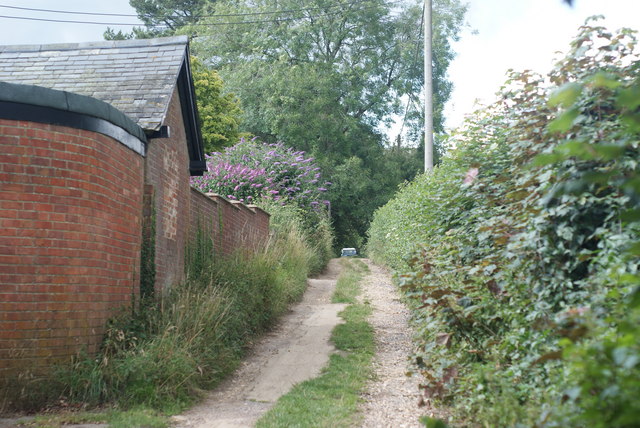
point(348, 252)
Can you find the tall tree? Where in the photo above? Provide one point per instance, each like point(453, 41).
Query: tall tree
point(324, 76)
point(326, 72)
point(161, 17)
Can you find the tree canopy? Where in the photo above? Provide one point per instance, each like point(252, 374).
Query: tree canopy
point(220, 113)
point(325, 77)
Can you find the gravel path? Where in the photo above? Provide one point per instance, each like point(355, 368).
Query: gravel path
point(392, 398)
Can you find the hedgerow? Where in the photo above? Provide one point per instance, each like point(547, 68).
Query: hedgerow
point(520, 251)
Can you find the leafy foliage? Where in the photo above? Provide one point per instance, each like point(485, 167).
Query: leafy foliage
point(219, 112)
point(516, 249)
point(326, 80)
point(282, 181)
point(251, 171)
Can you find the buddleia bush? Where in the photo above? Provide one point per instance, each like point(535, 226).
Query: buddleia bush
point(523, 257)
point(251, 171)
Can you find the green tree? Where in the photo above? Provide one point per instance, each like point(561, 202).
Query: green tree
point(161, 18)
point(324, 77)
point(220, 112)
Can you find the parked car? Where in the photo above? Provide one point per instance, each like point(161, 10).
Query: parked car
point(348, 252)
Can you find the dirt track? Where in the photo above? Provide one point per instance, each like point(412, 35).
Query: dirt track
point(296, 350)
point(299, 347)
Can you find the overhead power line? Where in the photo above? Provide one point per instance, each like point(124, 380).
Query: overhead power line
point(415, 63)
point(65, 21)
point(274, 12)
point(198, 24)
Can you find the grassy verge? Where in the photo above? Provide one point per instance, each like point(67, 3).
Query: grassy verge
point(160, 359)
point(348, 284)
point(331, 400)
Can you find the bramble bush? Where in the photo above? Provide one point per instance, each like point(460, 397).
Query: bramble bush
point(520, 251)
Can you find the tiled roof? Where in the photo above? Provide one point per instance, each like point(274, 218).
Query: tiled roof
point(135, 76)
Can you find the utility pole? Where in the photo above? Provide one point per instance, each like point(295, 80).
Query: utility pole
point(428, 88)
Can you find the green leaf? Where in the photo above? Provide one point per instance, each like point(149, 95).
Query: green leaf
point(635, 249)
point(433, 422)
point(608, 151)
point(632, 122)
point(547, 159)
point(564, 122)
point(605, 80)
point(629, 97)
point(566, 95)
point(630, 216)
point(635, 297)
point(578, 149)
point(598, 177)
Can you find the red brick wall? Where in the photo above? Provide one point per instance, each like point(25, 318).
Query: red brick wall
point(167, 171)
point(70, 220)
point(237, 226)
point(204, 215)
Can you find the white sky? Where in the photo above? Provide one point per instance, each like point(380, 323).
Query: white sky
point(520, 34)
point(517, 34)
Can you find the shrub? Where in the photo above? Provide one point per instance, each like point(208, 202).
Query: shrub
point(251, 171)
point(515, 250)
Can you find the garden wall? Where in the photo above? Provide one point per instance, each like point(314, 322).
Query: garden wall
point(231, 225)
point(178, 210)
point(70, 218)
point(81, 208)
point(167, 176)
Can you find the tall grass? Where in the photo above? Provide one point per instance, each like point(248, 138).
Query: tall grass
point(174, 347)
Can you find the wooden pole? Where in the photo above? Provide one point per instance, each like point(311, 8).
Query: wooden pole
point(428, 88)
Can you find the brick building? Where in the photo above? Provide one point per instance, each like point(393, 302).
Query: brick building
point(97, 143)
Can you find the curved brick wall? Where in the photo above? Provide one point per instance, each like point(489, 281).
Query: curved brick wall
point(70, 219)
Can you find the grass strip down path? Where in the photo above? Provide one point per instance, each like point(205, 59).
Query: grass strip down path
point(331, 400)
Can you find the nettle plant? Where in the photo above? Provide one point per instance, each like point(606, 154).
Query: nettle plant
point(252, 171)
